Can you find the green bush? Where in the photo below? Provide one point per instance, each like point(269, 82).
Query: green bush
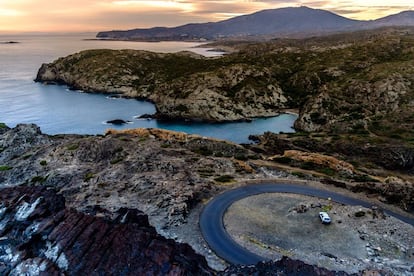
point(327, 171)
point(39, 179)
point(308, 165)
point(88, 177)
point(364, 178)
point(241, 157)
point(283, 160)
point(359, 214)
point(5, 168)
point(116, 160)
point(224, 178)
point(43, 163)
point(73, 147)
point(203, 151)
point(3, 125)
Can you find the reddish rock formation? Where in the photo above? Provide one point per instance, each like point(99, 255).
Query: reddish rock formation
point(40, 236)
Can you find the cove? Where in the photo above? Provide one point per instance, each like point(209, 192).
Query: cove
point(57, 110)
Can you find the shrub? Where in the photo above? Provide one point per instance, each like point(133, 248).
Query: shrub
point(241, 157)
point(326, 208)
point(327, 171)
point(88, 177)
point(39, 179)
point(3, 125)
point(43, 163)
point(283, 160)
point(364, 178)
point(359, 214)
point(299, 174)
point(27, 156)
point(164, 146)
point(308, 165)
point(224, 178)
point(181, 108)
point(116, 160)
point(5, 168)
point(73, 147)
point(203, 151)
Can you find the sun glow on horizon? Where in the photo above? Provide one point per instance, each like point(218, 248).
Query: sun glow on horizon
point(94, 15)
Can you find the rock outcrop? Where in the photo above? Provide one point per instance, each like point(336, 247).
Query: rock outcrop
point(320, 153)
point(162, 173)
point(102, 181)
point(321, 160)
point(356, 83)
point(182, 85)
point(40, 236)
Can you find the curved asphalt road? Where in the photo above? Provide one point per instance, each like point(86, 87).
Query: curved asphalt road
point(212, 226)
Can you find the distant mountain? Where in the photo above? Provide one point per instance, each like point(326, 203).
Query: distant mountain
point(405, 18)
point(298, 21)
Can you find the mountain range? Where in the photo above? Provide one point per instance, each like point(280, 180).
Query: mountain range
point(284, 22)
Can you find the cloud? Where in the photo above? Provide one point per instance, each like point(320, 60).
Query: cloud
point(94, 15)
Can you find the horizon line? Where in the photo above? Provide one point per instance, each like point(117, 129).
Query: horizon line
point(62, 32)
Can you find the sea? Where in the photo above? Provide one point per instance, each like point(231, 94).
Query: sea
point(58, 110)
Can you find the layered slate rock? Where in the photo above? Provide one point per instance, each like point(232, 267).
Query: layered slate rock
point(39, 235)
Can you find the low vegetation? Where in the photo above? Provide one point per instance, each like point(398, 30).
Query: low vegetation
point(5, 168)
point(224, 178)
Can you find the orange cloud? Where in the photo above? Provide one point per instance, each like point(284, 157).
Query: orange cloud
point(94, 15)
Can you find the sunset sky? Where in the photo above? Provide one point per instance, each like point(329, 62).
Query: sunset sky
point(94, 15)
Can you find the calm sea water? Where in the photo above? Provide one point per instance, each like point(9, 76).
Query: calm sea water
point(56, 109)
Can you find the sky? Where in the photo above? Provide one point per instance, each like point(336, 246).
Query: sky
point(94, 15)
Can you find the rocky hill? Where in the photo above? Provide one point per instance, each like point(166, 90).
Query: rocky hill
point(70, 203)
point(348, 83)
point(354, 92)
point(283, 22)
point(182, 85)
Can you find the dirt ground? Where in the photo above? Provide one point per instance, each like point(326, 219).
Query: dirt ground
point(274, 224)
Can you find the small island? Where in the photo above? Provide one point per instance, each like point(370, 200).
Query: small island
point(9, 42)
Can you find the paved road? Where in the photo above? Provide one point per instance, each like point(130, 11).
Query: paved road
point(212, 226)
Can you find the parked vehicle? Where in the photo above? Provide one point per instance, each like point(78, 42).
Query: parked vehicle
point(324, 217)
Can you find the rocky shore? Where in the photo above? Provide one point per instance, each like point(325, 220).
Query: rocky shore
point(40, 236)
point(354, 132)
point(67, 199)
point(167, 175)
point(364, 93)
point(182, 85)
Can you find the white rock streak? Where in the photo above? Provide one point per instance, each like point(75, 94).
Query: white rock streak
point(26, 209)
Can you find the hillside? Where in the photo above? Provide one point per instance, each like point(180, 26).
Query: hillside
point(355, 88)
point(283, 22)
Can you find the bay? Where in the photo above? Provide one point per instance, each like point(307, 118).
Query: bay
point(58, 110)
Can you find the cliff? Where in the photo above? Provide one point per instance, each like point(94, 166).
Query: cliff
point(70, 203)
point(40, 236)
point(182, 85)
point(348, 83)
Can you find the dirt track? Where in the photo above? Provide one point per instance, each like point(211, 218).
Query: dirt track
point(269, 225)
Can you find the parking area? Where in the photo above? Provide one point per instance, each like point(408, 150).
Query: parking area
point(274, 224)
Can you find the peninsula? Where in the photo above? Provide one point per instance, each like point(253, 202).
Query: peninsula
point(354, 136)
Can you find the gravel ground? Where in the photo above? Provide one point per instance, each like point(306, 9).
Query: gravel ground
point(285, 224)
